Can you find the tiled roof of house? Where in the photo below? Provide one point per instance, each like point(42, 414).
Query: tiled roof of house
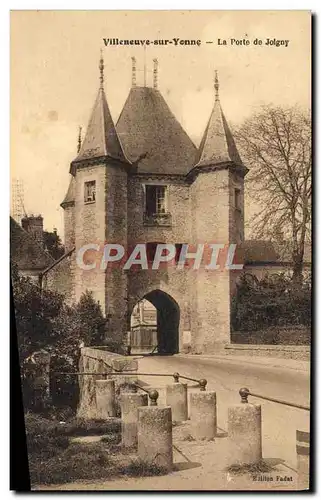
point(269, 252)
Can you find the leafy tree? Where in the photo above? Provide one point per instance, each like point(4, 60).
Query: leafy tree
point(35, 310)
point(45, 321)
point(275, 144)
point(53, 244)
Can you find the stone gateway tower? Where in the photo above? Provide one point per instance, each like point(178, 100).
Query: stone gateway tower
point(142, 180)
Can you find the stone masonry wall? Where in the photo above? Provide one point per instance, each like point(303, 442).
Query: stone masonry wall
point(210, 305)
point(90, 227)
point(116, 232)
point(69, 226)
point(101, 361)
point(178, 206)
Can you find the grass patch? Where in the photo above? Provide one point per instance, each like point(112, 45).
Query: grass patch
point(257, 468)
point(139, 468)
point(36, 425)
point(188, 437)
point(54, 459)
point(76, 462)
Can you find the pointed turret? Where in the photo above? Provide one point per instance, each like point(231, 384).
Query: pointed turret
point(101, 139)
point(217, 145)
point(69, 199)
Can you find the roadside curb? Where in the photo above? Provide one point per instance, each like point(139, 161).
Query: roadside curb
point(256, 361)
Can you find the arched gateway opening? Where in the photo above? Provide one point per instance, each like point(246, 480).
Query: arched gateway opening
point(155, 324)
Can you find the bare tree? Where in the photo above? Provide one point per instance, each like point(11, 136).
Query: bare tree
point(275, 144)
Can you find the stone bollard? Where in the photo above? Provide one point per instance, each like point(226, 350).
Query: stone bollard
point(105, 399)
point(176, 398)
point(203, 415)
point(155, 441)
point(127, 369)
point(245, 434)
point(303, 459)
point(129, 402)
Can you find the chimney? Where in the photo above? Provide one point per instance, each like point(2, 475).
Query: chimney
point(34, 225)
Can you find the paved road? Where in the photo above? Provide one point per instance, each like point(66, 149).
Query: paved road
point(227, 376)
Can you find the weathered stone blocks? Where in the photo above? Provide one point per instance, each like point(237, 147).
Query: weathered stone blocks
point(176, 398)
point(244, 434)
point(129, 404)
point(203, 415)
point(155, 441)
point(105, 399)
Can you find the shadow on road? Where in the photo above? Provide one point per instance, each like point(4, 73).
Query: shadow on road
point(186, 465)
point(221, 433)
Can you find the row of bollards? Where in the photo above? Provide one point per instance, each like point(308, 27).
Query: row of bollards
point(203, 414)
point(149, 428)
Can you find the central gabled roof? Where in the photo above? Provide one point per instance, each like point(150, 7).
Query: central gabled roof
point(152, 137)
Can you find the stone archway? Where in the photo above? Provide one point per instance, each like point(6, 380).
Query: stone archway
point(168, 316)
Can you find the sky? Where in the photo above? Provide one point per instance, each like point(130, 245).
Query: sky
point(55, 78)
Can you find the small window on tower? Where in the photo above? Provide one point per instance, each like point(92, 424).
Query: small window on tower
point(237, 196)
point(155, 200)
point(90, 192)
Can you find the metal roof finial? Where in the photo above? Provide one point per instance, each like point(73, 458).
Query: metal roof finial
point(155, 73)
point(101, 69)
point(133, 71)
point(216, 87)
point(79, 139)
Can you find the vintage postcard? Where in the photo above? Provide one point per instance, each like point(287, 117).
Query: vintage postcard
point(160, 248)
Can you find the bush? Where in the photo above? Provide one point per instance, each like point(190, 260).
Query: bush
point(273, 301)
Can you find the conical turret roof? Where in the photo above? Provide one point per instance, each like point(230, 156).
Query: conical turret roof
point(70, 195)
point(217, 145)
point(101, 138)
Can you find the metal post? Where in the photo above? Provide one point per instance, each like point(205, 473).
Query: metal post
point(153, 396)
point(203, 384)
point(244, 393)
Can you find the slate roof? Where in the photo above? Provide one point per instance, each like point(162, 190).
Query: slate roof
point(71, 192)
point(217, 145)
point(152, 137)
point(25, 251)
point(101, 139)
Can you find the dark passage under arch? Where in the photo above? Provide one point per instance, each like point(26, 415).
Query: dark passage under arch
point(168, 315)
